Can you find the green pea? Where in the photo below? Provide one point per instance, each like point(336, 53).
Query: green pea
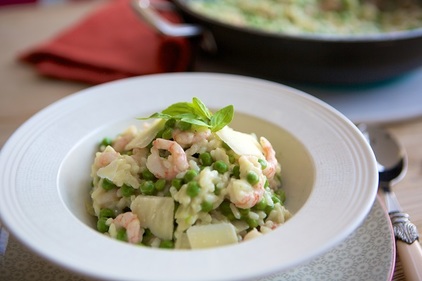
point(244, 212)
point(147, 188)
point(190, 175)
point(193, 189)
point(108, 184)
point(147, 175)
point(184, 126)
point(121, 234)
point(263, 163)
point(217, 190)
point(252, 223)
point(268, 209)
point(106, 213)
point(106, 141)
point(231, 158)
point(205, 159)
point(160, 184)
point(127, 190)
point(230, 216)
point(236, 171)
point(221, 166)
point(252, 178)
point(261, 205)
point(281, 195)
point(275, 199)
point(170, 123)
point(166, 244)
point(167, 133)
point(225, 207)
point(159, 134)
point(177, 183)
point(101, 225)
point(206, 206)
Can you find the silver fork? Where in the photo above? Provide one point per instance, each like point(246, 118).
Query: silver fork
point(4, 239)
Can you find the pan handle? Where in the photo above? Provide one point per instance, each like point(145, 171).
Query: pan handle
point(147, 11)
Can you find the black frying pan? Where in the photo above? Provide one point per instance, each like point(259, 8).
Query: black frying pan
point(310, 58)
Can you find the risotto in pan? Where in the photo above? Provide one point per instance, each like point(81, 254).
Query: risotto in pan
point(341, 17)
point(187, 180)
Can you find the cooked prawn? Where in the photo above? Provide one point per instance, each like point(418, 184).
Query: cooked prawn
point(104, 158)
point(187, 138)
point(131, 223)
point(122, 140)
point(174, 164)
point(140, 155)
point(242, 194)
point(269, 154)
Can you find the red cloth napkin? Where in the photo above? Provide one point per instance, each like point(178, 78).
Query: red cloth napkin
point(109, 44)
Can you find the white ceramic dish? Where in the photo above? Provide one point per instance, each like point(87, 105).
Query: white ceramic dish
point(367, 254)
point(330, 177)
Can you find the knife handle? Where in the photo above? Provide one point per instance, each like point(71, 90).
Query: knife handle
point(411, 259)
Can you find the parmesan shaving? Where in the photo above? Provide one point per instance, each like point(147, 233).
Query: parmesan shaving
point(240, 143)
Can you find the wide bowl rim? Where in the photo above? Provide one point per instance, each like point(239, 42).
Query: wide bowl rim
point(35, 238)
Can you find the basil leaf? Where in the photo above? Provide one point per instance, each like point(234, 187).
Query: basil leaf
point(191, 118)
point(201, 109)
point(195, 122)
point(222, 118)
point(187, 115)
point(156, 115)
point(196, 113)
point(179, 108)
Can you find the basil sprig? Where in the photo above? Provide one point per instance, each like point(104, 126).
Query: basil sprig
point(196, 113)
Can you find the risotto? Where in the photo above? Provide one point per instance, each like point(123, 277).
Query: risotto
point(341, 17)
point(186, 181)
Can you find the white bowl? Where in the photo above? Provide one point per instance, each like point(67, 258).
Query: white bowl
point(330, 177)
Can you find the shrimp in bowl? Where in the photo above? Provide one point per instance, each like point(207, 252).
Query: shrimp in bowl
point(187, 181)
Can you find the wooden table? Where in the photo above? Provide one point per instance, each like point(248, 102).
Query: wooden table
point(23, 92)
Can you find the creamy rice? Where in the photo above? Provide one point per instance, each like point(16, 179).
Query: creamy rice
point(177, 185)
point(341, 17)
